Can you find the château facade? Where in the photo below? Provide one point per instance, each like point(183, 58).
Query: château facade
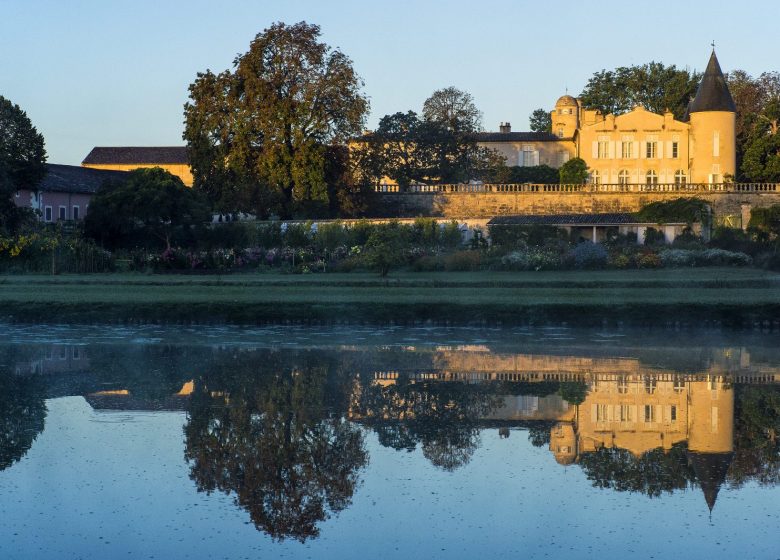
point(638, 147)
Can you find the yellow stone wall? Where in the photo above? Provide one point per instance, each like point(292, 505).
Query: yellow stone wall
point(180, 170)
point(553, 154)
point(713, 146)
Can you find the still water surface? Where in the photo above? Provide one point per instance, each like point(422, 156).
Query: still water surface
point(387, 443)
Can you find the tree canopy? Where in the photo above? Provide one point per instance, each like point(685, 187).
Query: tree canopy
point(541, 121)
point(757, 125)
point(152, 203)
point(439, 147)
point(574, 172)
point(22, 161)
point(654, 86)
point(258, 134)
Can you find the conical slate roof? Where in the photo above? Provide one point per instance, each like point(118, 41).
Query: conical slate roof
point(713, 93)
point(710, 470)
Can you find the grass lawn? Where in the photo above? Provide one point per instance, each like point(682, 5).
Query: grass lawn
point(732, 295)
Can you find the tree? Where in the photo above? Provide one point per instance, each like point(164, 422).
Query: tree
point(260, 428)
point(151, 204)
point(761, 158)
point(541, 121)
point(454, 109)
point(22, 162)
point(654, 86)
point(574, 172)
point(384, 249)
point(258, 135)
point(22, 414)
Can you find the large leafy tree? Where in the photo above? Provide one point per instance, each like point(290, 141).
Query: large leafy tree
point(22, 161)
point(654, 86)
point(258, 134)
point(261, 428)
point(147, 209)
point(454, 109)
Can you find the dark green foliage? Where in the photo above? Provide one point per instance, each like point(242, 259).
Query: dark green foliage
point(259, 135)
point(652, 474)
point(654, 86)
point(679, 210)
point(505, 235)
point(574, 172)
point(147, 209)
point(756, 431)
point(384, 249)
point(22, 163)
point(766, 221)
point(573, 392)
point(541, 121)
point(654, 238)
point(539, 174)
point(22, 414)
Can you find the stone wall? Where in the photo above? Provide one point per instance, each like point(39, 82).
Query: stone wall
point(489, 204)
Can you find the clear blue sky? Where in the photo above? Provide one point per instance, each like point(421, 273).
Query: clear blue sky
point(115, 72)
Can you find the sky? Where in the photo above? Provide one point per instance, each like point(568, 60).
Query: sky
point(116, 72)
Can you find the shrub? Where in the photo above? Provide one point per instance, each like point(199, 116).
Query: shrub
point(721, 257)
point(331, 236)
point(620, 260)
point(649, 260)
point(428, 263)
point(461, 261)
point(654, 237)
point(589, 255)
point(677, 258)
point(769, 261)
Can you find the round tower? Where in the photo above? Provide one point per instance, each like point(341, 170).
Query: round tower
point(565, 117)
point(712, 114)
point(563, 443)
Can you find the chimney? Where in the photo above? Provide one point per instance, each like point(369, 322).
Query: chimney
point(505, 128)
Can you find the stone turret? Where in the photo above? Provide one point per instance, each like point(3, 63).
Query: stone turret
point(712, 115)
point(565, 117)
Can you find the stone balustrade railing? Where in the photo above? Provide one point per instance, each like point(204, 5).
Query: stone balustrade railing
point(687, 188)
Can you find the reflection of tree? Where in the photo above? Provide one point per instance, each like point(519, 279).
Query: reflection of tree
point(756, 435)
point(652, 473)
point(269, 438)
point(539, 433)
point(22, 415)
point(440, 416)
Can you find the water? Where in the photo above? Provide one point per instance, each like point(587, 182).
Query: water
point(387, 443)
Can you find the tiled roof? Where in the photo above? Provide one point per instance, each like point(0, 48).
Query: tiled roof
point(608, 219)
point(713, 93)
point(516, 137)
point(76, 179)
point(129, 155)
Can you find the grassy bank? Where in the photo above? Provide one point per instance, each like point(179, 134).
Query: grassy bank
point(736, 297)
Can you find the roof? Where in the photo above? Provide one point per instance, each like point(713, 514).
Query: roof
point(516, 137)
point(710, 470)
point(713, 93)
point(615, 218)
point(566, 100)
point(129, 155)
point(76, 179)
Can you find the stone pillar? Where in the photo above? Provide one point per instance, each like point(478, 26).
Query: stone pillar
point(595, 237)
point(745, 210)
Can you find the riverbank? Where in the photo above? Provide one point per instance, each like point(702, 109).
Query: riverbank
point(734, 297)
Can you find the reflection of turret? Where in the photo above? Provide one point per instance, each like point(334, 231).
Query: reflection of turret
point(563, 443)
point(711, 434)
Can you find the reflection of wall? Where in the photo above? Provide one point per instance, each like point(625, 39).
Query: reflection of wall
point(55, 358)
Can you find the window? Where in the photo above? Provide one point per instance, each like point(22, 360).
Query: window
point(622, 386)
point(603, 149)
point(75, 212)
point(560, 132)
point(675, 150)
point(652, 149)
point(673, 413)
point(63, 213)
point(650, 385)
point(595, 178)
point(651, 178)
point(679, 385)
point(716, 143)
point(625, 413)
point(649, 413)
point(623, 177)
point(680, 178)
point(627, 149)
point(601, 413)
point(47, 214)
